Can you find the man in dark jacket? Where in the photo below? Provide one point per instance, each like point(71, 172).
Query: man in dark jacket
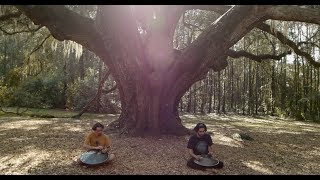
point(200, 144)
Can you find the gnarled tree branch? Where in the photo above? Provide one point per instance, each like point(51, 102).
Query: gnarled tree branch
point(289, 13)
point(220, 9)
point(109, 90)
point(258, 58)
point(39, 46)
point(294, 13)
point(168, 15)
point(219, 37)
point(280, 12)
point(190, 25)
point(306, 42)
point(65, 24)
point(21, 31)
point(172, 15)
point(17, 111)
point(9, 16)
point(283, 39)
point(208, 51)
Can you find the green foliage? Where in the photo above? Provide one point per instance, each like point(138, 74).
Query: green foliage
point(13, 78)
point(22, 98)
point(6, 94)
point(51, 92)
point(279, 112)
point(81, 92)
point(37, 93)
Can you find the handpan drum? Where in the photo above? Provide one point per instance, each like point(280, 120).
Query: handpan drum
point(207, 161)
point(93, 157)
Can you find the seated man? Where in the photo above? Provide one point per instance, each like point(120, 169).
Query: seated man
point(200, 144)
point(96, 140)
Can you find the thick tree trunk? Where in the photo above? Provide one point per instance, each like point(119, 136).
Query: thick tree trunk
point(244, 89)
point(204, 95)
point(195, 104)
point(223, 109)
point(214, 93)
point(257, 91)
point(273, 89)
point(219, 93)
point(150, 110)
point(231, 81)
point(210, 92)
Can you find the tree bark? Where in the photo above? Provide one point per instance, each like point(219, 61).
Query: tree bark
point(223, 109)
point(231, 81)
point(250, 86)
point(195, 104)
point(273, 89)
point(244, 89)
point(210, 91)
point(204, 95)
point(152, 112)
point(219, 93)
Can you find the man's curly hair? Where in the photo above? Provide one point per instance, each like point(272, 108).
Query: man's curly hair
point(94, 127)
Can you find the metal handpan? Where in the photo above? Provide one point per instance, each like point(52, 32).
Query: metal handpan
point(207, 161)
point(93, 157)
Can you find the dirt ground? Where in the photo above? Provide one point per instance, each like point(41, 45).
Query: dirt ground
point(51, 146)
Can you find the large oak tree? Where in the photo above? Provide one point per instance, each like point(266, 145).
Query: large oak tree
point(136, 43)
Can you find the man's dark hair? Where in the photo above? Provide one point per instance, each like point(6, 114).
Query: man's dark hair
point(94, 127)
point(200, 125)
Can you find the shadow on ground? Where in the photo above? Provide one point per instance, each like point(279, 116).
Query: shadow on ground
point(51, 146)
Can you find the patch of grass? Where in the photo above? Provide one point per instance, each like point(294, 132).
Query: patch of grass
point(50, 113)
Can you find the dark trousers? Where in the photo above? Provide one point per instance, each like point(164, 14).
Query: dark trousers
point(194, 165)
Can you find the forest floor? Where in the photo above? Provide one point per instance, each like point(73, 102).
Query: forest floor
point(32, 145)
